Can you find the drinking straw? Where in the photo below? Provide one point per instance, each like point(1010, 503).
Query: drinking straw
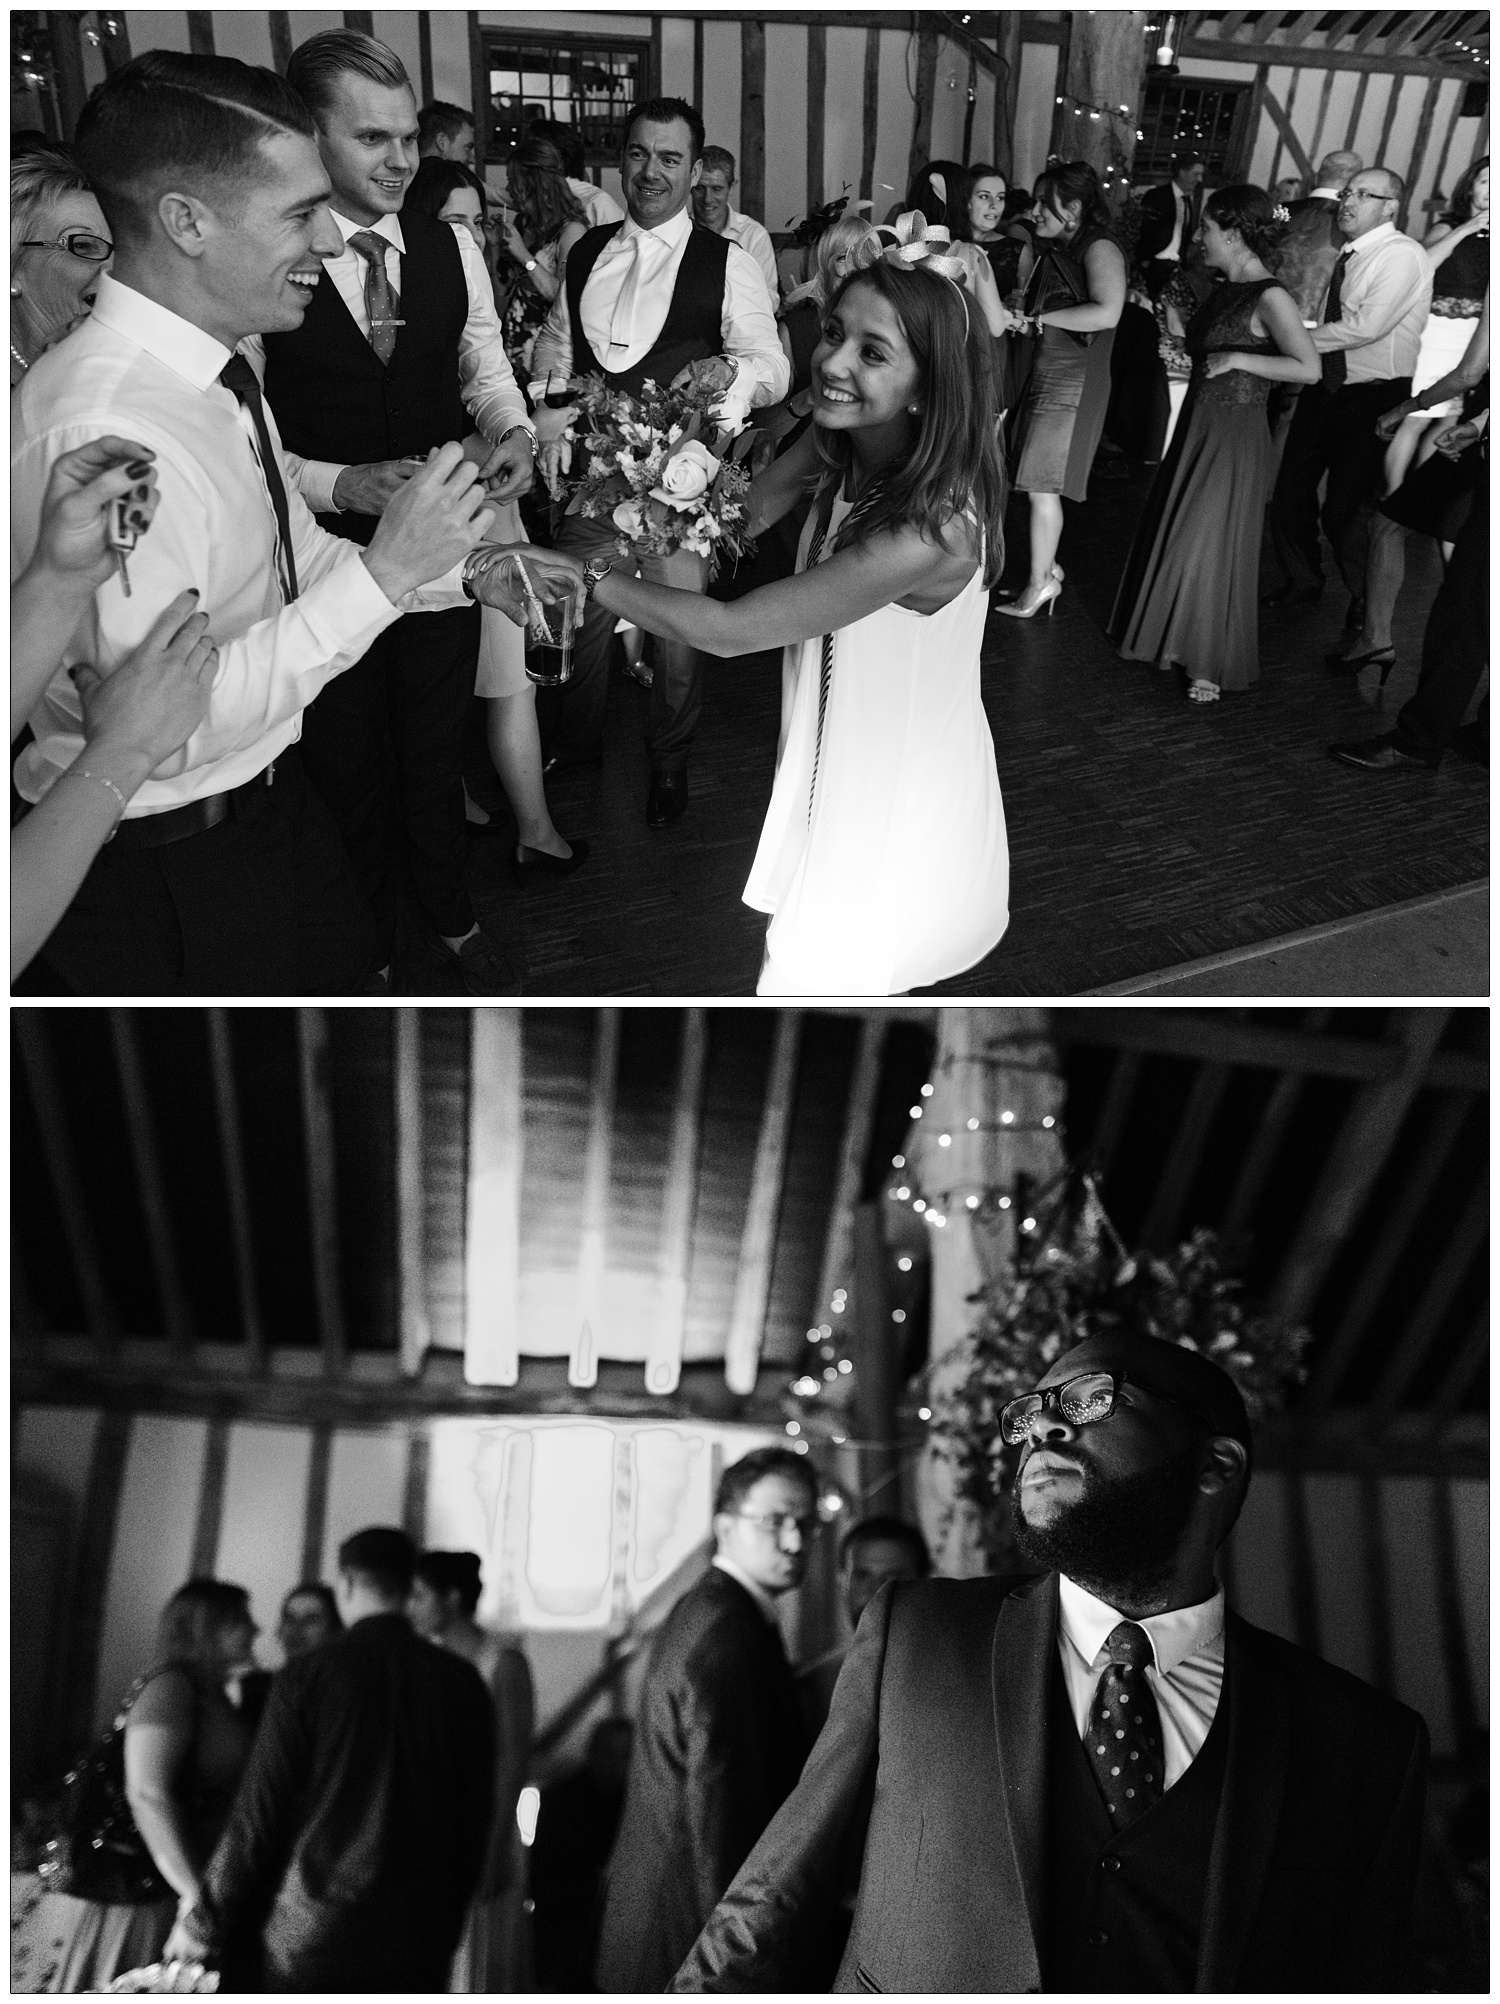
point(534, 609)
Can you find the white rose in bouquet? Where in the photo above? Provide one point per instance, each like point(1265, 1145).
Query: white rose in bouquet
point(629, 518)
point(687, 475)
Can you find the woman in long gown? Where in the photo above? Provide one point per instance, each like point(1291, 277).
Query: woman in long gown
point(1074, 299)
point(1188, 598)
point(493, 1954)
point(883, 859)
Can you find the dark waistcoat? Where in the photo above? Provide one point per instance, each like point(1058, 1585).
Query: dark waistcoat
point(693, 329)
point(333, 397)
point(1124, 1908)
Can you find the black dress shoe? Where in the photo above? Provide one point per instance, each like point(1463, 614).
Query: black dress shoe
point(668, 799)
point(1383, 658)
point(561, 763)
point(1354, 618)
point(530, 863)
point(1380, 755)
point(1292, 594)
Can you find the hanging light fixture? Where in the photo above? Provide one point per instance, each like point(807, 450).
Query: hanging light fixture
point(1164, 54)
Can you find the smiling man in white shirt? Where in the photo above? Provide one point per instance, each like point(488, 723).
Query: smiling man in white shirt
point(646, 299)
point(714, 210)
point(1368, 333)
point(217, 881)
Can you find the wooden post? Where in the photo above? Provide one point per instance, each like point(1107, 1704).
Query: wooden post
point(921, 132)
point(177, 1309)
point(237, 1189)
point(877, 1369)
point(114, 42)
point(322, 1195)
point(492, 1229)
point(1442, 166)
point(973, 93)
point(1324, 95)
point(315, 1508)
point(67, 67)
point(1007, 90)
point(753, 118)
point(817, 96)
point(859, 1118)
point(698, 61)
point(281, 40)
point(1105, 66)
point(1182, 1163)
point(62, 1167)
point(588, 1312)
point(424, 53)
point(869, 117)
point(664, 1357)
point(415, 1328)
point(90, 1575)
point(752, 1281)
point(1356, 110)
point(1105, 1138)
point(1419, 145)
point(1393, 98)
point(210, 1516)
point(1255, 1166)
point(1063, 120)
point(201, 34)
point(479, 93)
point(360, 24)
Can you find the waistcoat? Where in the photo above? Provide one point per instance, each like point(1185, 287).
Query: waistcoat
point(693, 329)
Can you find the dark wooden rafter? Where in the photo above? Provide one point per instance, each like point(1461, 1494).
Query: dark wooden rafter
point(1315, 144)
point(322, 1193)
point(67, 1184)
point(752, 1281)
point(926, 93)
point(210, 1516)
point(1405, 34)
point(664, 1357)
point(1441, 172)
point(697, 59)
point(360, 23)
point(583, 1367)
point(1289, 55)
point(1276, 1117)
point(479, 93)
point(1296, 27)
point(177, 1311)
point(1286, 131)
point(1461, 1248)
point(854, 1148)
point(752, 161)
point(282, 44)
point(1356, 110)
point(1424, 135)
point(414, 1487)
point(1186, 1152)
point(315, 1505)
point(1387, 125)
point(415, 1325)
point(870, 115)
point(236, 1186)
point(1182, 1033)
point(1007, 90)
point(1105, 1138)
point(817, 94)
point(424, 53)
point(1377, 25)
point(201, 34)
point(1360, 1151)
point(1469, 1359)
point(93, 1556)
point(1335, 1358)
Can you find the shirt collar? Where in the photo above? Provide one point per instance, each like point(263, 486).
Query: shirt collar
point(674, 231)
point(1325, 194)
point(388, 227)
point(1087, 1622)
point(184, 348)
point(1382, 233)
point(752, 1587)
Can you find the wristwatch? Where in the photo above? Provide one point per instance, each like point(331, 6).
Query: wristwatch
point(595, 571)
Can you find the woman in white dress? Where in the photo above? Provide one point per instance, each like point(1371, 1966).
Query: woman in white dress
point(883, 861)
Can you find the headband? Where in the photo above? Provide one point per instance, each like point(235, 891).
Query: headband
point(923, 246)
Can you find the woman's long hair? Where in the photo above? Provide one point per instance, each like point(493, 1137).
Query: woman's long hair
point(1461, 208)
point(435, 180)
point(193, 1620)
point(1074, 181)
point(538, 186)
point(954, 461)
point(951, 205)
point(833, 258)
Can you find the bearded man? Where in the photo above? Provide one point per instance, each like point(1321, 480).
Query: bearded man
point(1098, 1778)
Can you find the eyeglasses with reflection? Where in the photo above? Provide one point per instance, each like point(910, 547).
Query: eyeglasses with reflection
point(1082, 1401)
point(778, 1522)
point(77, 243)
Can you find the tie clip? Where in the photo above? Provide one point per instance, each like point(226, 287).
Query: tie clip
point(387, 323)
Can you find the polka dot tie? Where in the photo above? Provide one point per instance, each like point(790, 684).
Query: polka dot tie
point(1123, 1740)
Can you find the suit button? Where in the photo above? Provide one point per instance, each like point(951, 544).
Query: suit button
point(1109, 1865)
point(1099, 1938)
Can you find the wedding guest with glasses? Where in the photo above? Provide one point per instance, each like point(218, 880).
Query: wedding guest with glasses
point(1187, 600)
point(226, 874)
point(60, 247)
point(1368, 332)
point(719, 1741)
point(1095, 1778)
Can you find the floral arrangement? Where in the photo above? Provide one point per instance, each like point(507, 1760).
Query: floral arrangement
point(1058, 1295)
point(664, 467)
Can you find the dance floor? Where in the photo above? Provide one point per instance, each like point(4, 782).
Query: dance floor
point(1144, 831)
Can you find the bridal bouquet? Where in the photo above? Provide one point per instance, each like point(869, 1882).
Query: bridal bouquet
point(664, 467)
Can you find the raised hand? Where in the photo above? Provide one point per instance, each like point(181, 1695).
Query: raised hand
point(431, 524)
point(75, 508)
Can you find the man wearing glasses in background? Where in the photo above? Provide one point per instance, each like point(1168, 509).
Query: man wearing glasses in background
point(719, 1741)
point(1096, 1779)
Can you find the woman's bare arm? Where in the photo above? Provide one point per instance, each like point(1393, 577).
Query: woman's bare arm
point(1298, 360)
point(1107, 278)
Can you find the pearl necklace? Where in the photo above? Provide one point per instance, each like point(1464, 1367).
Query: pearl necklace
point(17, 357)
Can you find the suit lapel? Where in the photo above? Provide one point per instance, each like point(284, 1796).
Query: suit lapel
point(1025, 1644)
point(1255, 1777)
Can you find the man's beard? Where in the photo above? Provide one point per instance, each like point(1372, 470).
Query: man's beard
point(1119, 1539)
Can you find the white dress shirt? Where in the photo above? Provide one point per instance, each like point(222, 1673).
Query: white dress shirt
point(1174, 248)
point(486, 382)
point(747, 323)
point(764, 1601)
point(755, 238)
point(597, 206)
point(1386, 291)
point(141, 372)
point(1187, 1676)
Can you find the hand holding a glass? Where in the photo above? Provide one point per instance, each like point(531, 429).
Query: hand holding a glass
point(541, 590)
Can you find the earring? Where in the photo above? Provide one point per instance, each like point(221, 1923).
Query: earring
point(915, 409)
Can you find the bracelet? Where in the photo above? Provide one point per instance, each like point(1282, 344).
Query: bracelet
point(479, 560)
point(528, 433)
point(82, 772)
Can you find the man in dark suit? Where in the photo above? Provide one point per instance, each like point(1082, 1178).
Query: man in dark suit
point(1096, 1779)
point(1169, 216)
point(719, 1741)
point(355, 1842)
point(1311, 247)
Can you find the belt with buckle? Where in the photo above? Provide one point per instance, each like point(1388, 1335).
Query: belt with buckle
point(177, 824)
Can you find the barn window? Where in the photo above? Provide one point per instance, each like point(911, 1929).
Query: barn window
point(591, 82)
point(1191, 115)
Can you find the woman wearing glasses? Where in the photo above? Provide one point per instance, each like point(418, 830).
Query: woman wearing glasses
point(59, 249)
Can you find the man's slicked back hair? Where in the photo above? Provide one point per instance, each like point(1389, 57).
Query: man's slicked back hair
point(741, 1476)
point(321, 60)
point(196, 121)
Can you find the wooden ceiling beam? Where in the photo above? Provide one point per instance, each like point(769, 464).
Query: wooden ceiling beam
point(854, 1147)
point(492, 1221)
point(1463, 1244)
point(1469, 1360)
point(1270, 1132)
point(1335, 1357)
point(236, 1187)
point(1406, 33)
point(1371, 32)
point(664, 1356)
point(1366, 1139)
point(1229, 25)
point(322, 1193)
point(1296, 27)
point(1161, 1223)
point(1105, 1139)
point(177, 1308)
point(62, 1167)
point(1182, 1033)
point(1291, 55)
point(588, 1309)
point(752, 1281)
point(414, 1323)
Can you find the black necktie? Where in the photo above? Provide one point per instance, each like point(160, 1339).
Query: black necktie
point(237, 375)
point(1336, 360)
point(1123, 1741)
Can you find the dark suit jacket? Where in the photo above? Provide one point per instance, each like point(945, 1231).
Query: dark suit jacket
point(937, 1741)
point(718, 1748)
point(357, 1836)
point(1159, 215)
point(1308, 253)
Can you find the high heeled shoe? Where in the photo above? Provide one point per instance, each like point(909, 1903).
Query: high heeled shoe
point(533, 863)
point(1028, 606)
point(1383, 658)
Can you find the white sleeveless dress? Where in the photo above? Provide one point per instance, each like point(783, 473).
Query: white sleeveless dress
point(901, 874)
